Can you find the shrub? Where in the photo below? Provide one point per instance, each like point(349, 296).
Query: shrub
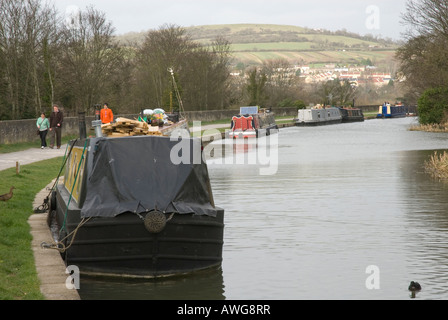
point(433, 106)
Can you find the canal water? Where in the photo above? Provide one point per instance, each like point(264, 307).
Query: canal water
point(334, 212)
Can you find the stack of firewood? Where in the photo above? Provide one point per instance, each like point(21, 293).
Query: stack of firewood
point(126, 127)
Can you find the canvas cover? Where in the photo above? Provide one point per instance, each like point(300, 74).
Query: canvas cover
point(137, 174)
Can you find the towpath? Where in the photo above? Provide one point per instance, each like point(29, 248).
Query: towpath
point(9, 160)
point(209, 127)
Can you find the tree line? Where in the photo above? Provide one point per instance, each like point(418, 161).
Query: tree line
point(76, 62)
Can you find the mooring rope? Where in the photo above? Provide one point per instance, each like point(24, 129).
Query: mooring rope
point(56, 245)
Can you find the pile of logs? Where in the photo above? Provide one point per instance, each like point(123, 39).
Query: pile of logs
point(126, 127)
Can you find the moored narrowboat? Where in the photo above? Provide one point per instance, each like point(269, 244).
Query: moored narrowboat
point(391, 111)
point(351, 114)
point(318, 116)
point(251, 123)
point(136, 206)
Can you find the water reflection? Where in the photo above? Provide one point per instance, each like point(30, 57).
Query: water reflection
point(334, 208)
point(425, 202)
point(206, 284)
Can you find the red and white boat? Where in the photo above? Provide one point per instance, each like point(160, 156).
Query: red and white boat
point(251, 123)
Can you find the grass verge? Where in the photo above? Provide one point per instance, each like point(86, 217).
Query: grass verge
point(18, 275)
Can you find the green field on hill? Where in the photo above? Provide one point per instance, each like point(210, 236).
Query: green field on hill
point(379, 58)
point(256, 43)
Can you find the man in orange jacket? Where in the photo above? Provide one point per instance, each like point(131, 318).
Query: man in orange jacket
point(107, 116)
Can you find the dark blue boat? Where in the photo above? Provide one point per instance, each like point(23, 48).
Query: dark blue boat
point(390, 111)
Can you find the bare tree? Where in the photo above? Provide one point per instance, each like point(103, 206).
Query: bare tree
point(222, 57)
point(24, 26)
point(337, 93)
point(427, 18)
point(202, 74)
point(11, 32)
point(282, 82)
point(163, 49)
point(256, 88)
point(42, 35)
point(424, 59)
point(27, 28)
point(208, 67)
point(90, 58)
point(424, 63)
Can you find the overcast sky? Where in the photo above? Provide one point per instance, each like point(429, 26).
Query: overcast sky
point(377, 17)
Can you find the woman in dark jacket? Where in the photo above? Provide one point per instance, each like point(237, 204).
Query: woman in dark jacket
point(56, 120)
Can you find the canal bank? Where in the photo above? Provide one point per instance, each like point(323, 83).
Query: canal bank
point(49, 264)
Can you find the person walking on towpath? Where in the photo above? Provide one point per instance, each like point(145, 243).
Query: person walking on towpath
point(56, 119)
point(43, 125)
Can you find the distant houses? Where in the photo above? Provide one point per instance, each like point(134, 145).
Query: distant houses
point(355, 75)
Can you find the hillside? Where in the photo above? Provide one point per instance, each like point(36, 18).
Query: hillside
point(255, 43)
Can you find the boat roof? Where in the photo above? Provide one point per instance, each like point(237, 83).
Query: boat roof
point(136, 174)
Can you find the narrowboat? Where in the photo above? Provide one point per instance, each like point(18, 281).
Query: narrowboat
point(136, 206)
point(351, 114)
point(389, 111)
point(317, 116)
point(251, 123)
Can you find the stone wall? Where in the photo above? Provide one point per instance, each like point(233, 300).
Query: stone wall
point(16, 131)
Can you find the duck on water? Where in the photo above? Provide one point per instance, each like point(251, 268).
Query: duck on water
point(414, 288)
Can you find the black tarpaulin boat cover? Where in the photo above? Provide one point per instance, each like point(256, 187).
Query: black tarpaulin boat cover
point(136, 174)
